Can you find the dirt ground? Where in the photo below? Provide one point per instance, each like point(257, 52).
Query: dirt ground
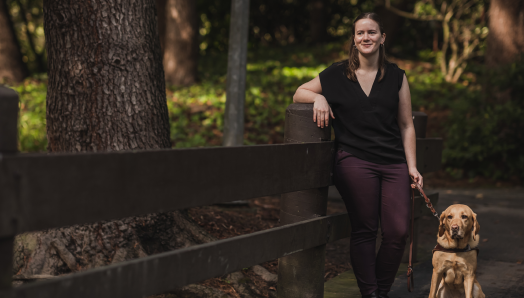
point(260, 214)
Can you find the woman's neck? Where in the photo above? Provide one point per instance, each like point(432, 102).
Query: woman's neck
point(369, 63)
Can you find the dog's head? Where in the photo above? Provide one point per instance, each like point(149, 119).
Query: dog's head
point(459, 222)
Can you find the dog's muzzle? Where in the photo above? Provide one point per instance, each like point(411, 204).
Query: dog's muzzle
point(455, 234)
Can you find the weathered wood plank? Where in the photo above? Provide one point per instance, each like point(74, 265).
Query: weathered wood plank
point(8, 146)
point(65, 189)
point(8, 120)
point(167, 271)
point(429, 154)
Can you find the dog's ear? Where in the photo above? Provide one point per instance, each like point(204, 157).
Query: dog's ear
point(442, 226)
point(476, 226)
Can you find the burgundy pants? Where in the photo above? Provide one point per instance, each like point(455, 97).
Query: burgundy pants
point(374, 193)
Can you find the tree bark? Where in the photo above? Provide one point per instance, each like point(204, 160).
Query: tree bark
point(106, 93)
point(12, 68)
point(161, 20)
point(181, 42)
point(506, 31)
point(106, 90)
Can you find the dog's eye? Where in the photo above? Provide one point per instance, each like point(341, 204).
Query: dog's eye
point(450, 216)
point(464, 216)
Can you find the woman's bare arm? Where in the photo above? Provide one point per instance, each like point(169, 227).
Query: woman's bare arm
point(407, 130)
point(311, 92)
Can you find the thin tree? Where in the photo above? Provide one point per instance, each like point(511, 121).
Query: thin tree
point(106, 92)
point(12, 68)
point(506, 31)
point(178, 26)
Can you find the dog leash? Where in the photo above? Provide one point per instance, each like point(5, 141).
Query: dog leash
point(415, 185)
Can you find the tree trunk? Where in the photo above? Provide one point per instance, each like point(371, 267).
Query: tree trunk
point(106, 90)
point(181, 42)
point(392, 22)
point(317, 22)
point(506, 31)
point(106, 93)
point(12, 68)
point(161, 20)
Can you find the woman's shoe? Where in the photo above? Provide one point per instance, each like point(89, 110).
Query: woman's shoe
point(372, 295)
point(382, 294)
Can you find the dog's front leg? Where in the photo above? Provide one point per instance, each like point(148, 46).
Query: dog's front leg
point(469, 280)
point(435, 282)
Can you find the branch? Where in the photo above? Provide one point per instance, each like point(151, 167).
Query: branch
point(412, 16)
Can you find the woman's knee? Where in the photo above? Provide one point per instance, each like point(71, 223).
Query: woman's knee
point(395, 234)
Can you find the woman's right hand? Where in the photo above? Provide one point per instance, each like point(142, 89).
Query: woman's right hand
point(321, 111)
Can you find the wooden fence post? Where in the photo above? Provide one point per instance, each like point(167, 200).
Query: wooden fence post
point(8, 145)
point(301, 274)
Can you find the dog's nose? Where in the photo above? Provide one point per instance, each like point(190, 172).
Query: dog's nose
point(454, 227)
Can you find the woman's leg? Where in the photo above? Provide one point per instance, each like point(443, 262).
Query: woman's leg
point(395, 214)
point(358, 183)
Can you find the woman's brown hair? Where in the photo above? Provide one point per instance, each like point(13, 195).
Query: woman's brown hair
point(353, 61)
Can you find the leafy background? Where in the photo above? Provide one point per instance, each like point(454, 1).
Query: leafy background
point(479, 117)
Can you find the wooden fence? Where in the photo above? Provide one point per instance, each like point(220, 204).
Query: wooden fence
point(41, 191)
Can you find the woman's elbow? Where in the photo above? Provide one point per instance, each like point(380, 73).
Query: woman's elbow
point(295, 96)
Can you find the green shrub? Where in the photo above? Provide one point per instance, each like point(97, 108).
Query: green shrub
point(485, 129)
point(31, 129)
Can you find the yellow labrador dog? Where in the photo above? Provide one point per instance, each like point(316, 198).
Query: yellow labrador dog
point(455, 256)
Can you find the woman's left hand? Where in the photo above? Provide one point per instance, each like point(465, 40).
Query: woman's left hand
point(416, 176)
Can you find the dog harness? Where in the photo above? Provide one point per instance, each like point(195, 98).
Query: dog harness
point(439, 247)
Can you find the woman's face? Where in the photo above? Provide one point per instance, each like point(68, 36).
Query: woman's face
point(367, 36)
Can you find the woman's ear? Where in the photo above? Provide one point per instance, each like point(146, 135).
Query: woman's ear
point(476, 226)
point(442, 226)
point(383, 38)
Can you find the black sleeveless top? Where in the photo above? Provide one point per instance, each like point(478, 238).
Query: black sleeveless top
point(365, 126)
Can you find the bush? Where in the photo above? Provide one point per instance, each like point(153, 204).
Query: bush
point(485, 129)
point(31, 129)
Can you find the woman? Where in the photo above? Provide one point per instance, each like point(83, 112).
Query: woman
point(369, 101)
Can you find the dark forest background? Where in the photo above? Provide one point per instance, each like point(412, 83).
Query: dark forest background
point(463, 63)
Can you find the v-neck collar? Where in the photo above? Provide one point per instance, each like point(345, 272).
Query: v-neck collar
point(372, 86)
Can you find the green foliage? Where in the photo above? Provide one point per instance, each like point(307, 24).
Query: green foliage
point(32, 130)
point(482, 125)
point(28, 20)
point(197, 112)
point(482, 130)
point(485, 129)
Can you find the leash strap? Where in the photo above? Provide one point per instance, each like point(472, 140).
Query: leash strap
point(411, 281)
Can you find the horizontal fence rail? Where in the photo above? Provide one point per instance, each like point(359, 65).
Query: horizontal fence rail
point(171, 270)
point(46, 191)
